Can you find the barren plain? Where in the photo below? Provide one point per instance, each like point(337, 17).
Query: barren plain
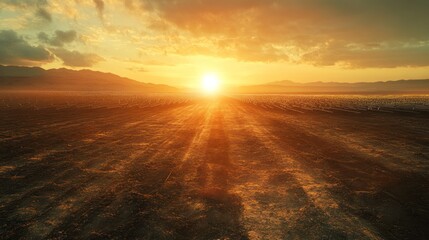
point(226, 167)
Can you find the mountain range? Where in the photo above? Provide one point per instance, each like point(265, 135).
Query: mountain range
point(35, 78)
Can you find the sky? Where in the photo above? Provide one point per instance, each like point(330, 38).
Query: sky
point(176, 42)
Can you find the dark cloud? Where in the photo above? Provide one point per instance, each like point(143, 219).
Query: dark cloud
point(99, 5)
point(75, 58)
point(59, 39)
point(39, 6)
point(44, 14)
point(280, 29)
point(26, 3)
point(43, 37)
point(14, 50)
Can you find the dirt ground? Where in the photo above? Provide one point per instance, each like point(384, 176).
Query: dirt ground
point(216, 168)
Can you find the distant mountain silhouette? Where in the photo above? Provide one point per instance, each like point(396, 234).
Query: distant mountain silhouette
point(286, 86)
point(35, 78)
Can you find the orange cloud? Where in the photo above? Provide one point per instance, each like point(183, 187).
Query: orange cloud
point(99, 5)
point(351, 34)
point(274, 30)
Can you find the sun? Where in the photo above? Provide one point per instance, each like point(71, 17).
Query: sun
point(210, 83)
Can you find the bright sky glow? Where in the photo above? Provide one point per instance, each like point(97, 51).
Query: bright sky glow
point(210, 83)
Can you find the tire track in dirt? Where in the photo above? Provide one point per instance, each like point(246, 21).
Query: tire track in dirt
point(75, 188)
point(363, 134)
point(134, 190)
point(205, 174)
point(93, 152)
point(36, 127)
point(378, 190)
point(313, 185)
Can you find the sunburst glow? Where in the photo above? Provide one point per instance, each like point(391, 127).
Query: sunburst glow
point(210, 83)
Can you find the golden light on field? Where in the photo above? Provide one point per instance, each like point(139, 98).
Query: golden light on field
point(210, 83)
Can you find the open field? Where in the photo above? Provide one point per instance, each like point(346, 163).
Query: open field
point(236, 167)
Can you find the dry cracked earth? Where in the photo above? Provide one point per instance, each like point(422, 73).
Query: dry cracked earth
point(218, 168)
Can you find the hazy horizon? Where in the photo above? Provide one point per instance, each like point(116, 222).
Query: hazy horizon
point(227, 85)
point(22, 78)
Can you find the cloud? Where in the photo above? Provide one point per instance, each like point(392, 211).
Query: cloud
point(346, 20)
point(39, 6)
point(59, 39)
point(354, 33)
point(99, 5)
point(14, 50)
point(75, 58)
point(44, 14)
point(381, 56)
point(274, 30)
point(25, 3)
